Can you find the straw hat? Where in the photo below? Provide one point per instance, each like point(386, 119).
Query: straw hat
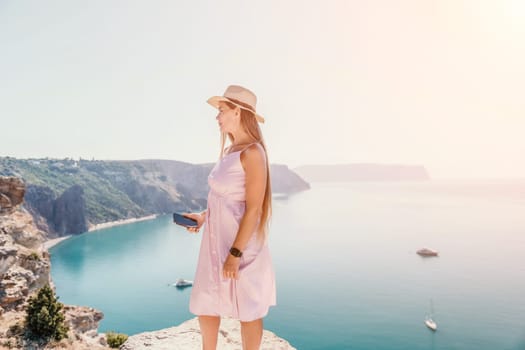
point(240, 97)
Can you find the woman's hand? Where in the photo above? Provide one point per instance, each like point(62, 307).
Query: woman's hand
point(197, 217)
point(231, 267)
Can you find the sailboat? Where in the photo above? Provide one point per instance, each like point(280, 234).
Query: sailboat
point(429, 322)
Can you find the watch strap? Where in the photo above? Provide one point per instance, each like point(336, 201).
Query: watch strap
point(235, 252)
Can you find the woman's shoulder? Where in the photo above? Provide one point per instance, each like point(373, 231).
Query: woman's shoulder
point(253, 155)
point(254, 148)
point(243, 148)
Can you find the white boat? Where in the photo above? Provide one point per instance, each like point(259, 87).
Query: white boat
point(431, 324)
point(427, 252)
point(182, 283)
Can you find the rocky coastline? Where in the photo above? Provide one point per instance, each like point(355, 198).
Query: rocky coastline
point(25, 268)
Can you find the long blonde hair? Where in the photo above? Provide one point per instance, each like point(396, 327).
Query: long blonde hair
point(251, 127)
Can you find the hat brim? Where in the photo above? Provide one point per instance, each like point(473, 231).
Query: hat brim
point(214, 101)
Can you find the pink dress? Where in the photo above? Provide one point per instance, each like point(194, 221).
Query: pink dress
point(249, 297)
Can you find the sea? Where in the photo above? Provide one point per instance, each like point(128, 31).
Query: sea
point(347, 272)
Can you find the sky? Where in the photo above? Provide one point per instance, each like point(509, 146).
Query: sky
point(417, 82)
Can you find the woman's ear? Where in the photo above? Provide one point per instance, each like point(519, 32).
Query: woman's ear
point(237, 111)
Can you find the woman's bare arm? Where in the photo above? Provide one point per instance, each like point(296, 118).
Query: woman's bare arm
point(253, 161)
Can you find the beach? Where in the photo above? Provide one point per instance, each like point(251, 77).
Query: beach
point(120, 222)
point(54, 241)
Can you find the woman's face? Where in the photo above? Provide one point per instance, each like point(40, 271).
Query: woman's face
point(228, 119)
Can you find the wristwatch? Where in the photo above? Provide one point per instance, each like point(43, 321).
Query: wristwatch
point(235, 252)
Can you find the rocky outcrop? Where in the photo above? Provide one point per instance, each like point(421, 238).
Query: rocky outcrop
point(25, 268)
point(40, 202)
point(187, 336)
point(69, 214)
point(59, 216)
point(84, 321)
point(12, 192)
point(19, 226)
point(83, 318)
point(285, 181)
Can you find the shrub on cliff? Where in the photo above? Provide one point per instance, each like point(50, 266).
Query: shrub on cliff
point(44, 318)
point(115, 340)
point(33, 256)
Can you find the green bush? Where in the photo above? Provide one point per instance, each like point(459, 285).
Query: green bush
point(33, 256)
point(115, 340)
point(45, 319)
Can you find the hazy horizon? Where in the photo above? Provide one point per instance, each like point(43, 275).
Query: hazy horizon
point(412, 82)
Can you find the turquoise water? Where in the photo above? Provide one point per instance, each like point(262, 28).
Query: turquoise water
point(347, 273)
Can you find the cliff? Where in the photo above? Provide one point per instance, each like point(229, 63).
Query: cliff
point(362, 172)
point(25, 268)
point(187, 336)
point(69, 197)
point(286, 181)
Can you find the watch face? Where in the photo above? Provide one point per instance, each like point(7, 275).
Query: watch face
point(235, 252)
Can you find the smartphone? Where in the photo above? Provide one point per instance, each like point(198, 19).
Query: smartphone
point(183, 220)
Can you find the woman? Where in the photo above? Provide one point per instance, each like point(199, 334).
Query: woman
point(234, 276)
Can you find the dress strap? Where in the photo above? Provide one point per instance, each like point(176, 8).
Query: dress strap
point(227, 150)
point(241, 150)
point(247, 146)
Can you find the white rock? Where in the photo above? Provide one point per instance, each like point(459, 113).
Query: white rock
point(187, 336)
